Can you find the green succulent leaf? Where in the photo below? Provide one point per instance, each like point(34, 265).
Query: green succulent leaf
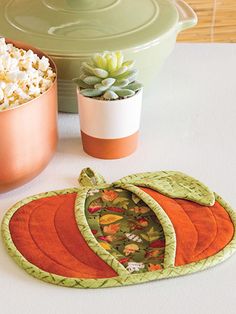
point(125, 92)
point(80, 83)
point(129, 64)
point(111, 62)
point(120, 71)
point(108, 82)
point(135, 86)
point(101, 87)
point(92, 80)
point(108, 75)
point(89, 92)
point(83, 76)
point(87, 68)
point(120, 59)
point(121, 83)
point(100, 73)
point(110, 95)
point(100, 61)
point(129, 75)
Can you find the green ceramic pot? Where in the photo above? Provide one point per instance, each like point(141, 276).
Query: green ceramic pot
point(70, 31)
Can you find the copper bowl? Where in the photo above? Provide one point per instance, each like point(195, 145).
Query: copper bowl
point(28, 135)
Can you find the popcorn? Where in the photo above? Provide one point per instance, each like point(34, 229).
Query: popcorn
point(23, 75)
point(44, 64)
point(1, 95)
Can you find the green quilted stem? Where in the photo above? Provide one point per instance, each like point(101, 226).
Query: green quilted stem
point(89, 178)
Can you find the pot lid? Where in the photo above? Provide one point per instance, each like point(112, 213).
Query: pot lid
point(81, 27)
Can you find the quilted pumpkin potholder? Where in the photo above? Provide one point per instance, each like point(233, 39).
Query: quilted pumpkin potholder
point(141, 228)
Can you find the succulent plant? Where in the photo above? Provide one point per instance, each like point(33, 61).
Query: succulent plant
point(107, 76)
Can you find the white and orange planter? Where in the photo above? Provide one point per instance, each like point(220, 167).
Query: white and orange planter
point(110, 129)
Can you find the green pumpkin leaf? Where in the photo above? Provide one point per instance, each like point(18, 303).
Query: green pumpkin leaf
point(173, 184)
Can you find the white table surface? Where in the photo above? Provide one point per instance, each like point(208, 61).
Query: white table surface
point(189, 124)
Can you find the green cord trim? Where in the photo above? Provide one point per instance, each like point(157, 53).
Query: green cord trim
point(169, 231)
point(88, 235)
point(124, 279)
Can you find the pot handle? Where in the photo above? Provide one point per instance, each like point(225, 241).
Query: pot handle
point(187, 17)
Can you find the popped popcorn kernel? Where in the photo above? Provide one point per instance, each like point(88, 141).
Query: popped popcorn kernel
point(23, 75)
point(1, 94)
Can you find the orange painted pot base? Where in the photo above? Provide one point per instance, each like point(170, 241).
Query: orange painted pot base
point(110, 148)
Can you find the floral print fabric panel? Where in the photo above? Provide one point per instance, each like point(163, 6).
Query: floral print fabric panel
point(128, 229)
